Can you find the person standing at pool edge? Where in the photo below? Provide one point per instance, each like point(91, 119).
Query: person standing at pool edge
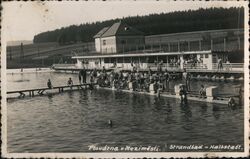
point(166, 80)
point(183, 95)
point(186, 77)
point(49, 84)
point(202, 92)
point(82, 75)
point(220, 65)
point(70, 83)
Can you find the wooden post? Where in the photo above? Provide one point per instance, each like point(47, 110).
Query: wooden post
point(239, 42)
point(200, 45)
point(123, 64)
point(188, 45)
point(224, 44)
point(167, 61)
point(211, 44)
point(139, 62)
point(178, 46)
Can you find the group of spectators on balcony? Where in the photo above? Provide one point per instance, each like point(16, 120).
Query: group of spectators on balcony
point(192, 61)
point(175, 62)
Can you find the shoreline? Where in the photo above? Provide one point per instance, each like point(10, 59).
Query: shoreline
point(29, 70)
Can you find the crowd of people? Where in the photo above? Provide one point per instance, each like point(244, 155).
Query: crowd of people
point(135, 80)
point(193, 61)
point(140, 81)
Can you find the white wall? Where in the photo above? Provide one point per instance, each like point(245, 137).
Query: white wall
point(207, 61)
point(97, 45)
point(110, 46)
point(79, 63)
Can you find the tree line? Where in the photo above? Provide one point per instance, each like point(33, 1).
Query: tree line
point(153, 24)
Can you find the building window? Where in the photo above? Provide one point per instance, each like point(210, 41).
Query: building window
point(123, 41)
point(106, 60)
point(126, 28)
point(206, 55)
point(104, 42)
point(201, 56)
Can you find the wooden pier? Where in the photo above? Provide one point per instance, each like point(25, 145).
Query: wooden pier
point(191, 96)
point(53, 90)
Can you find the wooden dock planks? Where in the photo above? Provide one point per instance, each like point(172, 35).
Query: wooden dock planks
point(60, 89)
point(56, 89)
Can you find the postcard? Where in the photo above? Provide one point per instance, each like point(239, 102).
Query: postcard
point(124, 79)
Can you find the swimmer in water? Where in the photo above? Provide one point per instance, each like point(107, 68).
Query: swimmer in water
point(231, 102)
point(110, 123)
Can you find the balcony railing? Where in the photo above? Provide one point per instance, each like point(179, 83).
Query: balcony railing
point(226, 67)
point(229, 66)
point(64, 65)
point(195, 66)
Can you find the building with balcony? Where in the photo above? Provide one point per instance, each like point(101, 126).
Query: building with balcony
point(121, 46)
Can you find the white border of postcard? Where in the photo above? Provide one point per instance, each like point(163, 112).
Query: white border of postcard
point(128, 154)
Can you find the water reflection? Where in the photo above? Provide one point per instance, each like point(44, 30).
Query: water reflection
point(216, 112)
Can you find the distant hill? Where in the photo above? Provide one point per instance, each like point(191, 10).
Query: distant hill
point(16, 43)
point(164, 23)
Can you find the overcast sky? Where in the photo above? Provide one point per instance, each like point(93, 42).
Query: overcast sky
point(23, 20)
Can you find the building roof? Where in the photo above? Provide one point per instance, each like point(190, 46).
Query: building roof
point(120, 29)
point(101, 32)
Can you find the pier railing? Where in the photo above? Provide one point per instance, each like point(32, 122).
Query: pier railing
point(229, 66)
point(196, 67)
point(56, 89)
point(64, 65)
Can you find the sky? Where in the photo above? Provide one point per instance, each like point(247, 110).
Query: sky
point(23, 20)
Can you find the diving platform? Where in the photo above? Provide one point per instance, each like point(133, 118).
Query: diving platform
point(53, 90)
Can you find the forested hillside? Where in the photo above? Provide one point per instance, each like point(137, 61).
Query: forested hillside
point(165, 23)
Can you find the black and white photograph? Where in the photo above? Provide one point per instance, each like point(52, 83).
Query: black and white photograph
point(112, 79)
